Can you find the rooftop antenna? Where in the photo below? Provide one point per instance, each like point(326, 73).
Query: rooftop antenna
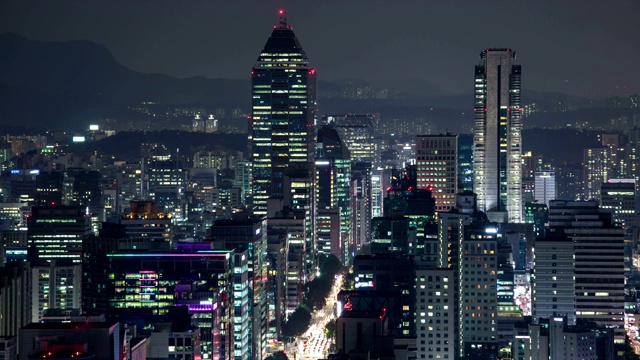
point(283, 19)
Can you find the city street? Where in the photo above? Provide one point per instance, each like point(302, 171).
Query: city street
point(314, 344)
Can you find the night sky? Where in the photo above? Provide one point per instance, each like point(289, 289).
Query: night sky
point(587, 48)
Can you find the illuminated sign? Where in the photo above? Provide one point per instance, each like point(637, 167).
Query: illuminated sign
point(491, 230)
point(94, 127)
point(78, 139)
point(364, 284)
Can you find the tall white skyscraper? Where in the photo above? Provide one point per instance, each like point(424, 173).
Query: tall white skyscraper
point(497, 142)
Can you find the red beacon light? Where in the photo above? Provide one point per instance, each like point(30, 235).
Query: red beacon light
point(281, 12)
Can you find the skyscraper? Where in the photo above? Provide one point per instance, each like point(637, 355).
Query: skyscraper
point(284, 106)
point(437, 168)
point(497, 138)
point(545, 186)
point(356, 131)
point(599, 261)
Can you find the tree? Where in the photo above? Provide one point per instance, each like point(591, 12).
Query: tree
point(330, 329)
point(297, 323)
point(279, 355)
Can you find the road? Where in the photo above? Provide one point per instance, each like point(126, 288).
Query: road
point(318, 345)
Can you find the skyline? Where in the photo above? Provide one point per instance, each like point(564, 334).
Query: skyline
point(197, 42)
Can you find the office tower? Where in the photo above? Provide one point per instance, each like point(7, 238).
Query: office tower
point(554, 288)
point(130, 180)
point(15, 297)
point(284, 107)
point(361, 185)
point(497, 141)
point(599, 260)
point(478, 291)
point(226, 198)
point(597, 170)
point(158, 279)
point(300, 195)
point(377, 193)
point(242, 173)
point(202, 184)
point(56, 285)
point(143, 221)
point(166, 185)
point(619, 196)
point(553, 338)
point(356, 131)
point(416, 205)
point(545, 187)
point(538, 215)
point(604, 162)
point(465, 162)
point(333, 183)
point(57, 232)
point(13, 215)
point(21, 186)
point(570, 185)
point(49, 188)
point(250, 235)
point(390, 274)
point(435, 314)
point(392, 234)
point(277, 255)
point(87, 192)
point(328, 233)
point(292, 223)
point(83, 340)
point(436, 157)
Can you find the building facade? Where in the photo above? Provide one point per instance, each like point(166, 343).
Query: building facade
point(284, 107)
point(437, 159)
point(497, 134)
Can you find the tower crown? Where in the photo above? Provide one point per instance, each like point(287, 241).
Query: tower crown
point(283, 20)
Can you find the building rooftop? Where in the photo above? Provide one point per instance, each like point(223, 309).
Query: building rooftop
point(70, 325)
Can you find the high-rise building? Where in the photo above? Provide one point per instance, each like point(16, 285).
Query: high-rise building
point(435, 314)
point(333, 183)
point(159, 278)
point(465, 162)
point(55, 285)
point(249, 236)
point(436, 158)
point(300, 196)
point(478, 295)
point(497, 135)
point(545, 187)
point(57, 232)
point(554, 285)
point(356, 131)
point(242, 179)
point(599, 261)
point(284, 106)
point(619, 195)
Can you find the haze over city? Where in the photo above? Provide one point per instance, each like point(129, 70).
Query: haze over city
point(586, 49)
